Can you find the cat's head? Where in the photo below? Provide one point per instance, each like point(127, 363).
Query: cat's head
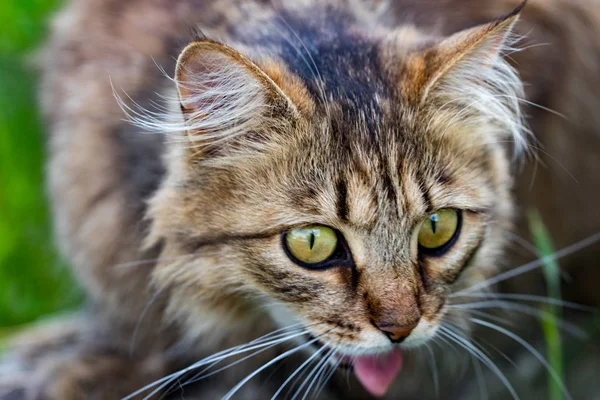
point(349, 182)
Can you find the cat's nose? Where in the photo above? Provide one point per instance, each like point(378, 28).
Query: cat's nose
point(397, 333)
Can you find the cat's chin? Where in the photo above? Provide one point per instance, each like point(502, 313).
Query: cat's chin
point(375, 367)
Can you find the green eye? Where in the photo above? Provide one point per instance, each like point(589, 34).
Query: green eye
point(439, 230)
point(311, 244)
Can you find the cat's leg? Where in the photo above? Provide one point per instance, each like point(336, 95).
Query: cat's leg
point(71, 359)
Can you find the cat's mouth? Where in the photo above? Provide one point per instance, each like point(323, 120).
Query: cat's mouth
point(375, 372)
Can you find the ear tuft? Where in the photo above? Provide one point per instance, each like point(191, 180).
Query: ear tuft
point(223, 94)
point(467, 71)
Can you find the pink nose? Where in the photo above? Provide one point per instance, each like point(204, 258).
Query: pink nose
point(397, 333)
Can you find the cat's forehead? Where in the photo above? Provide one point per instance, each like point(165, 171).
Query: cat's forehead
point(333, 54)
point(385, 180)
point(362, 178)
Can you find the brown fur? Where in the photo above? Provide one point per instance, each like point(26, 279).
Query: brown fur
point(209, 222)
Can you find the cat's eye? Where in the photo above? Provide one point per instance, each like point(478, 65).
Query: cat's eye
point(439, 231)
point(312, 246)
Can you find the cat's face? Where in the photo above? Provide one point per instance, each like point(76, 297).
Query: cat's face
point(374, 274)
point(352, 251)
point(357, 225)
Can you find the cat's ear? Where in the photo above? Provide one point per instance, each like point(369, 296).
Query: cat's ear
point(466, 58)
point(223, 94)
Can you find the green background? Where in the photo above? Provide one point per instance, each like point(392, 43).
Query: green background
point(34, 281)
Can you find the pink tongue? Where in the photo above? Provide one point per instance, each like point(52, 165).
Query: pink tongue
point(376, 373)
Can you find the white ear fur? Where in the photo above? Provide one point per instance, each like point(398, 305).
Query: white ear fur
point(220, 94)
point(475, 78)
point(223, 94)
point(476, 50)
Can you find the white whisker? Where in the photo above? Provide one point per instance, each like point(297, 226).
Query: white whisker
point(300, 368)
point(531, 265)
point(227, 354)
point(140, 319)
point(273, 361)
point(434, 370)
point(522, 308)
point(531, 349)
point(533, 298)
point(317, 370)
point(483, 394)
point(487, 343)
point(166, 380)
point(464, 343)
point(334, 367)
point(203, 374)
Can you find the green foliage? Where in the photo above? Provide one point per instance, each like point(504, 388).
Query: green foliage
point(551, 313)
point(22, 24)
point(33, 280)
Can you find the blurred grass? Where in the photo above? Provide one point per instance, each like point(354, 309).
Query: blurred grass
point(551, 313)
point(33, 280)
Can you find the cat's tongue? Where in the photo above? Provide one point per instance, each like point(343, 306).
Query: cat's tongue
point(377, 372)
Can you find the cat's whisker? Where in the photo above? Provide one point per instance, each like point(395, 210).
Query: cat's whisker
point(434, 369)
point(523, 243)
point(531, 349)
point(321, 373)
point(300, 368)
point(590, 240)
point(568, 327)
point(449, 344)
point(297, 380)
point(235, 351)
point(255, 344)
point(205, 374)
point(266, 365)
point(561, 165)
point(488, 344)
point(262, 346)
point(316, 371)
point(138, 323)
point(150, 261)
point(490, 316)
point(301, 380)
point(147, 261)
point(154, 297)
point(483, 394)
point(527, 310)
point(276, 332)
point(477, 353)
point(533, 104)
point(479, 342)
point(348, 372)
point(333, 367)
point(530, 297)
point(322, 378)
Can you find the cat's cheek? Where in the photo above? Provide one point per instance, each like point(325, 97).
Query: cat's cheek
point(283, 316)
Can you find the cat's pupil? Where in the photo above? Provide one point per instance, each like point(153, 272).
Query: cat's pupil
point(312, 240)
point(434, 221)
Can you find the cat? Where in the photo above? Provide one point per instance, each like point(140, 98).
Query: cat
point(324, 188)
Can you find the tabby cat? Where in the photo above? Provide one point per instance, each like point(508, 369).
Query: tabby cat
point(305, 199)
